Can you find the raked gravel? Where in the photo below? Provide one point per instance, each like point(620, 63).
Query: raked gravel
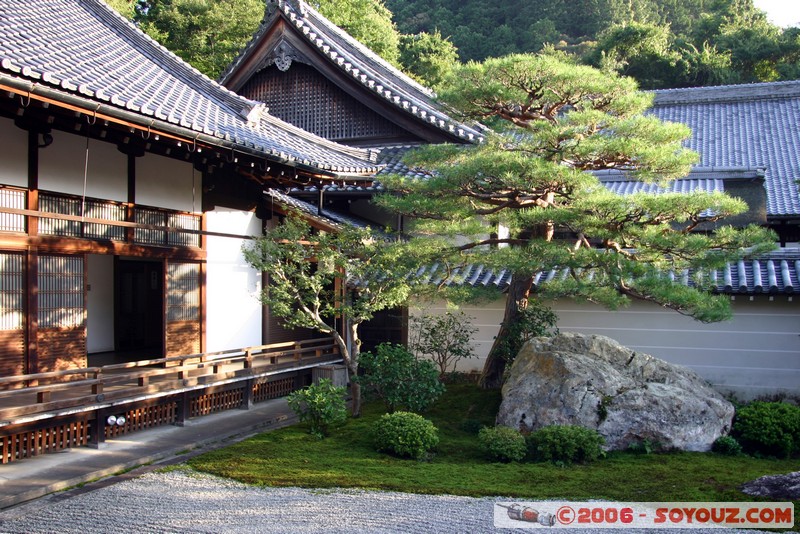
point(185, 501)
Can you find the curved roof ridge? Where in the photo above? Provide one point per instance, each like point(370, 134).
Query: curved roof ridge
point(360, 47)
point(158, 52)
point(361, 64)
point(83, 49)
point(723, 93)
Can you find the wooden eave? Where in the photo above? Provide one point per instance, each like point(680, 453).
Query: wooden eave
point(37, 113)
point(281, 29)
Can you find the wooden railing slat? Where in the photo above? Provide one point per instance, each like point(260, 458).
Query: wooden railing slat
point(134, 378)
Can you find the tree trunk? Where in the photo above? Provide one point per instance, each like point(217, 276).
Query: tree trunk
point(355, 390)
point(493, 369)
point(355, 352)
point(350, 357)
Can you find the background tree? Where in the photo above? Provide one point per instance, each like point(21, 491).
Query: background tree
point(642, 51)
point(126, 8)
point(306, 270)
point(368, 21)
point(707, 42)
point(206, 33)
point(556, 123)
point(429, 57)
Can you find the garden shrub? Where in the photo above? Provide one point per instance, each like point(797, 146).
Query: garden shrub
point(321, 405)
point(727, 445)
point(405, 434)
point(768, 429)
point(502, 444)
point(403, 382)
point(565, 444)
point(445, 339)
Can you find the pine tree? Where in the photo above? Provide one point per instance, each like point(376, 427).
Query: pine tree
point(556, 127)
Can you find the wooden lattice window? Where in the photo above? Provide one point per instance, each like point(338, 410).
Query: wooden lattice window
point(183, 292)
point(305, 98)
point(61, 292)
point(12, 291)
point(165, 219)
point(90, 208)
point(12, 198)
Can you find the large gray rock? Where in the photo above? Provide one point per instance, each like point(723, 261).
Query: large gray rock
point(629, 397)
point(783, 487)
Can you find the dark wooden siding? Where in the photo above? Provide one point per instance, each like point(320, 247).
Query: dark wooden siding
point(12, 352)
point(305, 98)
point(276, 332)
point(62, 348)
point(183, 337)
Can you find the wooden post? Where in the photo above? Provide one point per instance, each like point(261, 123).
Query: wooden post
point(183, 413)
point(98, 434)
point(97, 388)
point(32, 260)
point(247, 394)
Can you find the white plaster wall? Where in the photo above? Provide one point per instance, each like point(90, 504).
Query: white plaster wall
point(100, 304)
point(233, 313)
point(61, 168)
point(755, 354)
point(163, 182)
point(13, 154)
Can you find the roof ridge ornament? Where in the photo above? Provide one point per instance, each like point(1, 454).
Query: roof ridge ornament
point(254, 114)
point(298, 6)
point(283, 56)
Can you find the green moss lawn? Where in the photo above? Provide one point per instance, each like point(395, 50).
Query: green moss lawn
point(292, 457)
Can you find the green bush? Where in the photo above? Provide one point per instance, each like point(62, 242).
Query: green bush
point(727, 445)
point(565, 444)
point(405, 434)
point(394, 375)
point(502, 444)
point(320, 405)
point(768, 429)
point(446, 339)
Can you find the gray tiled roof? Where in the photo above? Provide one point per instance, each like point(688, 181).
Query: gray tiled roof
point(329, 217)
point(85, 49)
point(756, 125)
point(699, 179)
point(696, 181)
point(389, 157)
point(775, 273)
point(361, 64)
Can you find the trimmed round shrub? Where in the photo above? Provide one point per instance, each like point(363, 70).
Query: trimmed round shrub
point(405, 434)
point(726, 445)
point(565, 444)
point(768, 429)
point(502, 444)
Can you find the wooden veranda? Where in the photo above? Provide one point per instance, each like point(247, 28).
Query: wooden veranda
point(46, 412)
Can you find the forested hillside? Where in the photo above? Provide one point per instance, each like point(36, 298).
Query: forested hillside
point(662, 43)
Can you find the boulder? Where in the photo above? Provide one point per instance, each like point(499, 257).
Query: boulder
point(629, 397)
point(780, 487)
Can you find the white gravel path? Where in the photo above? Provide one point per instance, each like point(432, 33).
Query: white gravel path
point(184, 501)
